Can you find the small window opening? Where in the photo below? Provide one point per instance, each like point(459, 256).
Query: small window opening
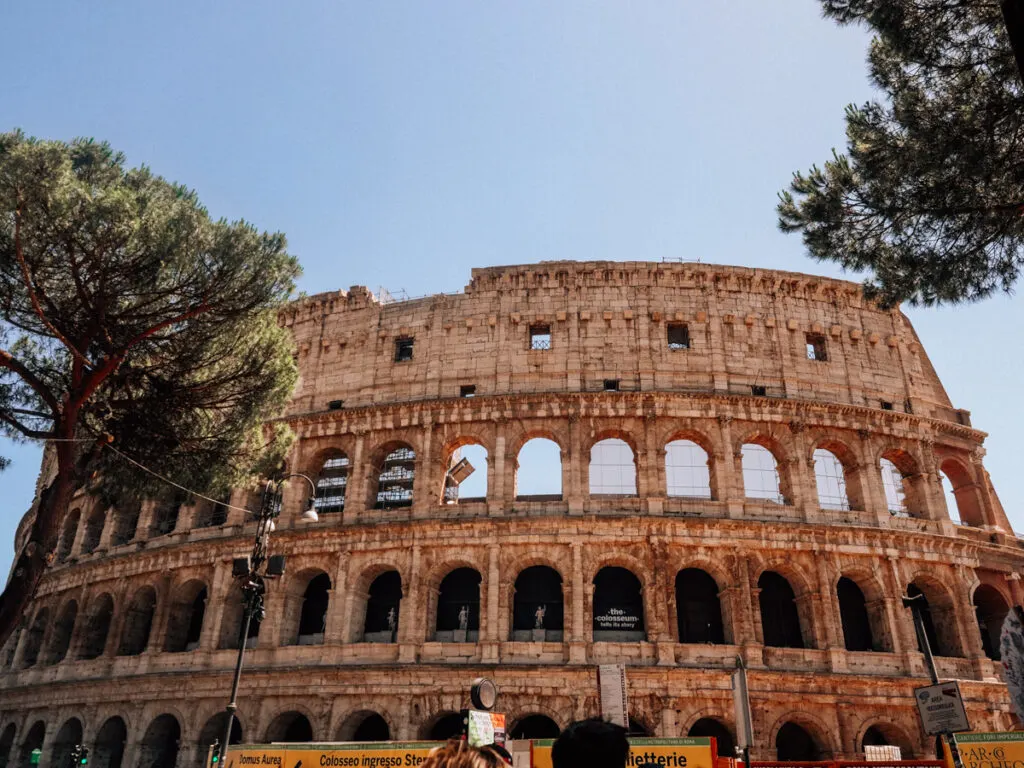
point(540, 337)
point(678, 336)
point(816, 349)
point(403, 349)
point(611, 385)
point(335, 405)
point(467, 390)
point(886, 405)
point(759, 390)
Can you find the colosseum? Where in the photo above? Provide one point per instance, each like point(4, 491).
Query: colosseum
point(666, 465)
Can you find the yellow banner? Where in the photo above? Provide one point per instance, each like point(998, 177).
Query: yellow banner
point(989, 750)
point(395, 754)
point(694, 752)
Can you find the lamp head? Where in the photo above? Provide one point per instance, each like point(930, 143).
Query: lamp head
point(310, 515)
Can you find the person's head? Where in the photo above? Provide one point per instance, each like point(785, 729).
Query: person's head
point(591, 743)
point(458, 754)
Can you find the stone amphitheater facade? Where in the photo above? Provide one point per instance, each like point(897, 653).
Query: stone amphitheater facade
point(129, 646)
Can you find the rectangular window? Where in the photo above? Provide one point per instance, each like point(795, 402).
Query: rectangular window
point(611, 385)
point(540, 337)
point(467, 390)
point(886, 405)
point(757, 390)
point(403, 349)
point(816, 349)
point(678, 336)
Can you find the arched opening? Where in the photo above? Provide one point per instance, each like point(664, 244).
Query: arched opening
point(938, 617)
point(10, 648)
point(458, 607)
point(93, 530)
point(537, 605)
point(108, 751)
point(68, 737)
point(138, 622)
point(465, 479)
point(830, 478)
point(780, 619)
point(698, 609)
point(687, 470)
point(331, 484)
point(446, 726)
point(159, 746)
point(165, 517)
point(185, 621)
point(902, 483)
point(364, 726)
point(990, 609)
point(395, 478)
point(31, 742)
point(126, 520)
point(213, 731)
point(539, 471)
point(853, 613)
point(60, 635)
point(7, 744)
point(67, 535)
point(761, 480)
point(793, 743)
point(961, 489)
point(313, 615)
point(887, 735)
point(211, 514)
point(382, 607)
point(232, 620)
point(612, 468)
point(710, 727)
point(535, 727)
point(618, 606)
point(34, 638)
point(290, 728)
point(637, 728)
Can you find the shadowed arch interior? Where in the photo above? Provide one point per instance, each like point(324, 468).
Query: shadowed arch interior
point(61, 633)
point(67, 535)
point(290, 728)
point(794, 743)
point(538, 602)
point(185, 621)
point(108, 749)
point(990, 609)
point(780, 619)
point(364, 726)
point(382, 608)
point(698, 608)
point(710, 727)
point(33, 740)
point(34, 638)
point(535, 727)
point(7, 744)
point(159, 746)
point(458, 605)
point(854, 615)
point(138, 622)
point(69, 735)
point(447, 726)
point(618, 606)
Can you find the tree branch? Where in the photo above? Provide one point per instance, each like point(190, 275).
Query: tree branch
point(35, 434)
point(11, 364)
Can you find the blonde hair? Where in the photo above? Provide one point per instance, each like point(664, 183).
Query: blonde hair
point(458, 754)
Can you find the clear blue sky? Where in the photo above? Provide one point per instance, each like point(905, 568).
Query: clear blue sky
point(401, 144)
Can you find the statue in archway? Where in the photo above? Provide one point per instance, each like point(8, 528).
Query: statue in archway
point(464, 617)
point(538, 616)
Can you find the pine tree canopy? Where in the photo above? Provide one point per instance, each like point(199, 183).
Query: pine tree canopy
point(126, 312)
point(929, 197)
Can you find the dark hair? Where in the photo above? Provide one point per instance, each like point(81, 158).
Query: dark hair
point(591, 743)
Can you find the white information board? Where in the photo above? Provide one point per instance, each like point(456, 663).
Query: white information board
point(614, 701)
point(942, 709)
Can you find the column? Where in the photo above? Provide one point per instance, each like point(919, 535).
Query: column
point(109, 523)
point(164, 598)
point(411, 628)
point(572, 476)
point(219, 594)
point(339, 610)
point(145, 520)
point(427, 483)
point(577, 638)
point(497, 502)
point(489, 635)
point(356, 491)
point(802, 489)
point(904, 636)
point(651, 472)
point(729, 485)
point(49, 739)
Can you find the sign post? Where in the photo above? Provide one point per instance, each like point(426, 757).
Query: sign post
point(741, 705)
point(611, 680)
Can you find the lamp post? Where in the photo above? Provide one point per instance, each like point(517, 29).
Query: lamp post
point(248, 571)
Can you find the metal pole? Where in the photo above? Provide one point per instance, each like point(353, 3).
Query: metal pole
point(243, 635)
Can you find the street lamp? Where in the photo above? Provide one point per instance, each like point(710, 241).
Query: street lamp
point(247, 570)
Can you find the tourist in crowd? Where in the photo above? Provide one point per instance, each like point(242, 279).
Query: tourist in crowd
point(591, 743)
point(458, 754)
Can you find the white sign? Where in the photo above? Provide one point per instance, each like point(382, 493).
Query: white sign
point(941, 708)
point(876, 753)
point(741, 705)
point(611, 680)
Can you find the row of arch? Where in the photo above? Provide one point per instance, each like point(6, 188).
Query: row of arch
point(537, 614)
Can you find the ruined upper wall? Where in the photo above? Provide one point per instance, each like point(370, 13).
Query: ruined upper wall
point(608, 320)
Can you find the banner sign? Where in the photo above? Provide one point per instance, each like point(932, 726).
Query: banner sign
point(624, 619)
point(990, 750)
point(693, 752)
point(611, 683)
point(941, 708)
point(393, 754)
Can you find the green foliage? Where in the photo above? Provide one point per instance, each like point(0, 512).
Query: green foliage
point(126, 310)
point(929, 196)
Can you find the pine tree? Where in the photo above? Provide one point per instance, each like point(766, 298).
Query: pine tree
point(929, 197)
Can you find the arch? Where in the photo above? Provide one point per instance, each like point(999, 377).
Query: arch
point(903, 483)
point(853, 613)
point(618, 606)
point(32, 741)
point(165, 517)
point(964, 491)
point(447, 725)
point(458, 606)
point(364, 725)
point(138, 622)
point(780, 619)
point(698, 608)
point(332, 483)
point(60, 635)
point(316, 600)
point(232, 618)
point(990, 609)
point(67, 535)
point(7, 744)
point(830, 479)
point(688, 470)
point(108, 749)
point(762, 480)
point(536, 477)
point(383, 605)
point(34, 638)
point(68, 737)
point(213, 731)
point(93, 530)
point(638, 727)
point(290, 727)
point(535, 727)
point(126, 521)
point(716, 729)
point(185, 620)
point(883, 733)
point(938, 616)
point(211, 514)
point(159, 745)
point(538, 604)
point(612, 468)
point(467, 468)
point(794, 743)
point(395, 476)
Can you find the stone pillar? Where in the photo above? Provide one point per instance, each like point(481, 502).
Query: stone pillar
point(109, 523)
point(489, 630)
point(49, 740)
point(573, 459)
point(145, 520)
point(219, 594)
point(360, 475)
point(651, 471)
point(800, 468)
point(164, 598)
point(577, 636)
point(1016, 592)
point(427, 483)
point(339, 610)
point(411, 619)
point(498, 498)
point(728, 481)
point(966, 617)
point(904, 636)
